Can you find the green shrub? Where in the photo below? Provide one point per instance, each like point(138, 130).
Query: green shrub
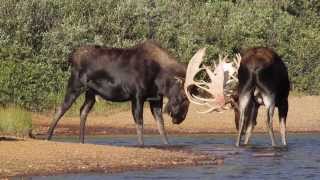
point(37, 35)
point(15, 121)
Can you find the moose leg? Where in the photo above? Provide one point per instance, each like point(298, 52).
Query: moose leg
point(137, 112)
point(251, 121)
point(156, 109)
point(73, 91)
point(243, 103)
point(283, 111)
point(270, 105)
point(248, 132)
point(269, 124)
point(85, 109)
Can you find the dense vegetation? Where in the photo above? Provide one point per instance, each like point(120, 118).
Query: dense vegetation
point(37, 35)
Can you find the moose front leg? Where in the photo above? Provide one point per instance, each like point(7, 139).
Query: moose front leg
point(73, 92)
point(156, 110)
point(137, 112)
point(85, 109)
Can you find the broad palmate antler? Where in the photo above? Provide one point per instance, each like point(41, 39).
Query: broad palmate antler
point(221, 77)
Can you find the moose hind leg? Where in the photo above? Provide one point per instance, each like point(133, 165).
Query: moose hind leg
point(248, 132)
point(73, 91)
point(156, 110)
point(137, 112)
point(84, 111)
point(283, 111)
point(253, 112)
point(243, 103)
point(270, 105)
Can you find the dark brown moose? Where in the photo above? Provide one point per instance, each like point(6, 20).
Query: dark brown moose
point(142, 73)
point(257, 78)
point(263, 80)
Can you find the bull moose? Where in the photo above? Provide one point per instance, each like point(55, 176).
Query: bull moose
point(145, 72)
point(263, 80)
point(259, 77)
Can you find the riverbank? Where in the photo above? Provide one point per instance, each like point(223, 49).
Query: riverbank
point(303, 116)
point(34, 157)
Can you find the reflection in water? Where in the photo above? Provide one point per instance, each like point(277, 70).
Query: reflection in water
point(258, 161)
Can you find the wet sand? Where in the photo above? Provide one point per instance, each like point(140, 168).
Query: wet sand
point(36, 157)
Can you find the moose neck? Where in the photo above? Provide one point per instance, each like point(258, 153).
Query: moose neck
point(170, 84)
point(175, 87)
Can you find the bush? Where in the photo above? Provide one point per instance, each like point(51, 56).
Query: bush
point(15, 121)
point(36, 37)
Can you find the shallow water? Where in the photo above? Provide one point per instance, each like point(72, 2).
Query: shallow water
point(301, 160)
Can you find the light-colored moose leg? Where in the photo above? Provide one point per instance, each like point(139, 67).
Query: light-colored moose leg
point(244, 100)
point(251, 120)
point(156, 110)
point(270, 105)
point(283, 111)
point(137, 112)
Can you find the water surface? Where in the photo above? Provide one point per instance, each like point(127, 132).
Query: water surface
point(301, 160)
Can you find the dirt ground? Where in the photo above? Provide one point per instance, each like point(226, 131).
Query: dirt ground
point(35, 157)
point(303, 116)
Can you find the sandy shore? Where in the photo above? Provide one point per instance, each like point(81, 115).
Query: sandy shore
point(35, 157)
point(303, 116)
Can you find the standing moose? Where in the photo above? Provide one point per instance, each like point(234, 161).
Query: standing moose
point(142, 73)
point(257, 78)
point(263, 80)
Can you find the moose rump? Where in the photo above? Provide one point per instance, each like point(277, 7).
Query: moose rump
point(142, 73)
point(263, 80)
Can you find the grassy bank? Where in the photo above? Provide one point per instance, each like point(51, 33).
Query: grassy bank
point(15, 121)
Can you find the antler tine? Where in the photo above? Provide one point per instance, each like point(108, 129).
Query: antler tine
point(222, 58)
point(232, 73)
point(214, 64)
point(212, 108)
point(218, 87)
point(194, 67)
point(232, 82)
point(225, 58)
point(237, 60)
point(233, 78)
point(192, 70)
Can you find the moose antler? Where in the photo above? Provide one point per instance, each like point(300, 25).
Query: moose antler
point(233, 67)
point(215, 87)
point(232, 70)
